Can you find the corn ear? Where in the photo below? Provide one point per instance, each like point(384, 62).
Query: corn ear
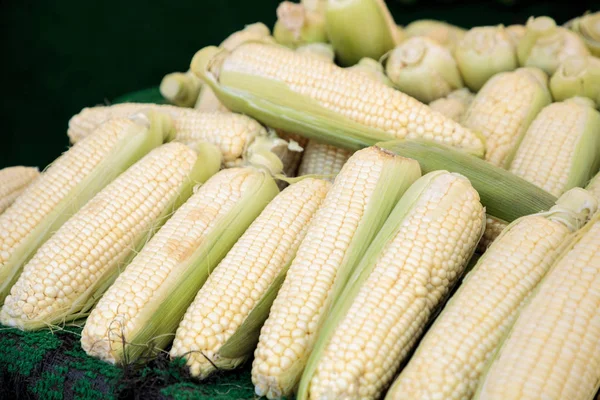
point(423, 69)
point(180, 88)
point(455, 105)
point(594, 186)
point(588, 28)
point(404, 276)
point(484, 52)
point(140, 312)
point(493, 229)
point(378, 33)
point(443, 33)
point(373, 69)
point(297, 25)
point(323, 160)
point(504, 195)
point(208, 101)
point(258, 80)
point(70, 181)
point(577, 76)
point(13, 181)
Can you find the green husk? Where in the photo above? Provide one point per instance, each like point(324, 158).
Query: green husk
point(181, 89)
point(504, 195)
point(321, 50)
point(374, 69)
point(363, 270)
point(515, 33)
point(443, 33)
point(160, 320)
point(588, 27)
point(482, 53)
point(257, 32)
point(455, 105)
point(298, 25)
point(152, 129)
point(586, 159)
point(377, 34)
point(593, 186)
point(577, 76)
point(207, 101)
point(423, 69)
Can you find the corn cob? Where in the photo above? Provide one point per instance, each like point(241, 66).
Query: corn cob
point(297, 25)
point(69, 272)
point(504, 195)
point(546, 45)
point(377, 36)
point(13, 181)
point(354, 209)
point(551, 352)
point(303, 94)
point(503, 110)
point(323, 159)
point(372, 69)
point(561, 148)
point(455, 105)
point(577, 76)
point(445, 34)
point(222, 333)
point(484, 52)
point(408, 270)
point(69, 183)
point(594, 186)
point(588, 28)
point(140, 312)
point(423, 69)
point(181, 89)
point(493, 228)
point(322, 50)
point(450, 358)
point(515, 33)
point(257, 32)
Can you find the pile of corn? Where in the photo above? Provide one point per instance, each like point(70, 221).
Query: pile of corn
point(402, 210)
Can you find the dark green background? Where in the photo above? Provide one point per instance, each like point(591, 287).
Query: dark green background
point(59, 56)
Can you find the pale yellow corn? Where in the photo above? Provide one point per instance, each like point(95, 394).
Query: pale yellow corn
point(504, 108)
point(455, 105)
point(241, 280)
point(90, 247)
point(140, 312)
point(560, 149)
point(13, 181)
point(412, 271)
point(594, 186)
point(323, 159)
point(552, 352)
point(232, 133)
point(451, 357)
point(493, 229)
point(346, 92)
point(333, 245)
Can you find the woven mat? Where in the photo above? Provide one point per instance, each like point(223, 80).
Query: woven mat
point(52, 365)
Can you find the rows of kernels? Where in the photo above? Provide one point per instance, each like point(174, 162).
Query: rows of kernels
point(55, 184)
point(13, 181)
point(493, 229)
point(289, 332)
point(90, 118)
point(451, 357)
point(594, 186)
point(147, 277)
point(242, 278)
point(553, 350)
point(500, 110)
point(411, 276)
point(547, 153)
point(87, 246)
point(323, 159)
point(353, 95)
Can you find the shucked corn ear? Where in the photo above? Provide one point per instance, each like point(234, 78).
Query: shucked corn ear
point(546, 45)
point(356, 206)
point(140, 312)
point(297, 25)
point(323, 159)
point(588, 28)
point(373, 69)
point(577, 76)
point(445, 34)
point(454, 105)
point(417, 257)
point(484, 52)
point(493, 228)
point(504, 195)
point(69, 273)
point(71, 180)
point(13, 181)
point(561, 148)
point(180, 88)
point(551, 352)
point(450, 358)
point(299, 93)
point(504, 108)
point(377, 33)
point(594, 186)
point(221, 327)
point(423, 69)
